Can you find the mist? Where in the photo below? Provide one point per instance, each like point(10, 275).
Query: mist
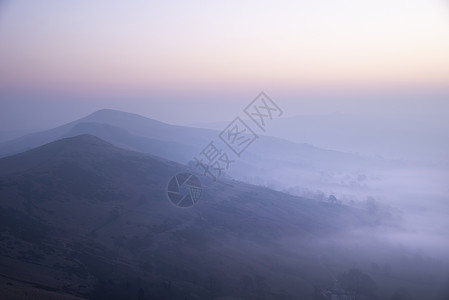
point(224, 150)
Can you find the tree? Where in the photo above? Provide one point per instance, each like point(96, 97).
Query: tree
point(332, 199)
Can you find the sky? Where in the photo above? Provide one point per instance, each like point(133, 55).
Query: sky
point(200, 61)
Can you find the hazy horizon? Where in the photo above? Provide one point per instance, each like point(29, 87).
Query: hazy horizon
point(201, 62)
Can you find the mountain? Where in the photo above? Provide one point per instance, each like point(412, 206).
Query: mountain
point(408, 137)
point(132, 123)
point(178, 143)
point(280, 164)
point(181, 144)
point(6, 135)
point(81, 217)
point(120, 137)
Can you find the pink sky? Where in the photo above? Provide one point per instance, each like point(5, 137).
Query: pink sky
point(204, 49)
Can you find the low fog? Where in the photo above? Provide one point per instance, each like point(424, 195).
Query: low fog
point(375, 215)
point(402, 178)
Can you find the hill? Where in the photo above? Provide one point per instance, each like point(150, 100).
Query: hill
point(301, 169)
point(82, 217)
point(123, 122)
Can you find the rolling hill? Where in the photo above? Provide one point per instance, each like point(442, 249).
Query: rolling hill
point(81, 217)
point(274, 162)
point(123, 123)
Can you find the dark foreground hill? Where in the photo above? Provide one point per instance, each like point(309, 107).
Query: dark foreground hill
point(80, 217)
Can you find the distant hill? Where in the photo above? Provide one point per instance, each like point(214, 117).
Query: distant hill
point(7, 135)
point(82, 217)
point(394, 136)
point(133, 124)
point(298, 168)
point(120, 137)
point(178, 143)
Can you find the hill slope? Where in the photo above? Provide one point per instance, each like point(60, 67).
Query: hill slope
point(300, 169)
point(133, 124)
point(82, 217)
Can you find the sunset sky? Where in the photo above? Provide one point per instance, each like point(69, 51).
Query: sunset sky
point(146, 56)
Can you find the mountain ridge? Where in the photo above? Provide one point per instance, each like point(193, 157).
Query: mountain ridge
point(86, 207)
point(143, 126)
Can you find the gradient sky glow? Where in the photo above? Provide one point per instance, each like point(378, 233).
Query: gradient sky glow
point(208, 49)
